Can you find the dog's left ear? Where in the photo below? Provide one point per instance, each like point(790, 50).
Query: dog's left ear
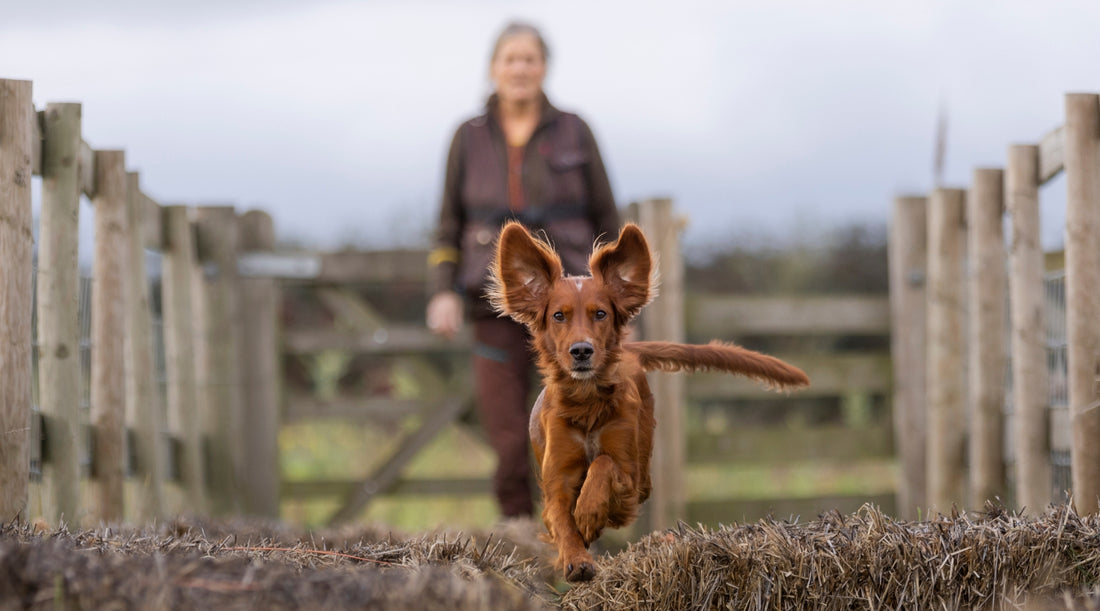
point(625, 267)
point(521, 275)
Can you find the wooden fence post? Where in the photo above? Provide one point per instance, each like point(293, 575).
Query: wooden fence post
point(143, 406)
point(1082, 162)
point(1029, 359)
point(179, 352)
point(260, 373)
point(946, 348)
point(58, 305)
point(109, 333)
point(217, 241)
point(664, 320)
point(17, 130)
point(986, 331)
point(908, 254)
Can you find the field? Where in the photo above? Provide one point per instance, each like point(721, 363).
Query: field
point(339, 450)
point(860, 561)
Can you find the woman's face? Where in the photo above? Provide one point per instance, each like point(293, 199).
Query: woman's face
point(518, 69)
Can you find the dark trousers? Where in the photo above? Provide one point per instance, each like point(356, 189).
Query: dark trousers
point(502, 377)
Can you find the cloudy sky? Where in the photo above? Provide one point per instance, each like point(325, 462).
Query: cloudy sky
point(785, 118)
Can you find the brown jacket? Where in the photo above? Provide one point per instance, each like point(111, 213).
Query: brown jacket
point(565, 188)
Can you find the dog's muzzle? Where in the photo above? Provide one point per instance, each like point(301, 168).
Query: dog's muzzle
point(581, 352)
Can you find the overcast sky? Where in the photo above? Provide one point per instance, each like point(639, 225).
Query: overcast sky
point(785, 117)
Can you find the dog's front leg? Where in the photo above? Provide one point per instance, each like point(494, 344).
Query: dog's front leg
point(561, 479)
point(603, 483)
point(609, 496)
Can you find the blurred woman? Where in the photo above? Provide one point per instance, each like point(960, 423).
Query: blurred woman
point(522, 159)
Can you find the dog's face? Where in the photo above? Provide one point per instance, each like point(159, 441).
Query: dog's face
point(577, 321)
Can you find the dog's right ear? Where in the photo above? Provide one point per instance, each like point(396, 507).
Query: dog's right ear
point(522, 272)
point(625, 267)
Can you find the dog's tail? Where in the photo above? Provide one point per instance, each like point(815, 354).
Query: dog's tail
point(718, 356)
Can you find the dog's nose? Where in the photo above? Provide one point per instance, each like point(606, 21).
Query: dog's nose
point(581, 351)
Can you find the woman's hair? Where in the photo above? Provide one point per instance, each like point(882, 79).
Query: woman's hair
point(517, 28)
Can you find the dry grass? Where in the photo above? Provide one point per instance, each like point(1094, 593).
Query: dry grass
point(862, 561)
point(250, 565)
point(867, 560)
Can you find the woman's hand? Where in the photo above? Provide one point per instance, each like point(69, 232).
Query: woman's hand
point(445, 314)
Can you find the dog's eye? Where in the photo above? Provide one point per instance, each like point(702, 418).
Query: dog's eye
point(558, 316)
point(600, 315)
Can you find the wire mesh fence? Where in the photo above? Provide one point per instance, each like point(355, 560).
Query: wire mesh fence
point(1054, 288)
point(1055, 293)
point(1054, 312)
point(36, 457)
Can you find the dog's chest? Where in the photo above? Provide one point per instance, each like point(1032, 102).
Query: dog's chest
point(591, 443)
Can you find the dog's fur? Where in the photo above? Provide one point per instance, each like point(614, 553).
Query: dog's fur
point(592, 425)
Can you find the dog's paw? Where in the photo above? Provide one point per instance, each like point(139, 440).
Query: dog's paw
point(590, 526)
point(584, 570)
point(591, 519)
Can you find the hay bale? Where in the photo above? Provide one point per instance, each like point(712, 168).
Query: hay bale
point(523, 535)
point(173, 569)
point(519, 534)
point(866, 560)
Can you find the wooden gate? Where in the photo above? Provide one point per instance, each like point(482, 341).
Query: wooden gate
point(351, 318)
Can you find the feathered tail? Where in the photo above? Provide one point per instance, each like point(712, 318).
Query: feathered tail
point(718, 356)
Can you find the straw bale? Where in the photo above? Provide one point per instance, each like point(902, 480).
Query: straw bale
point(990, 560)
point(863, 561)
point(180, 567)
